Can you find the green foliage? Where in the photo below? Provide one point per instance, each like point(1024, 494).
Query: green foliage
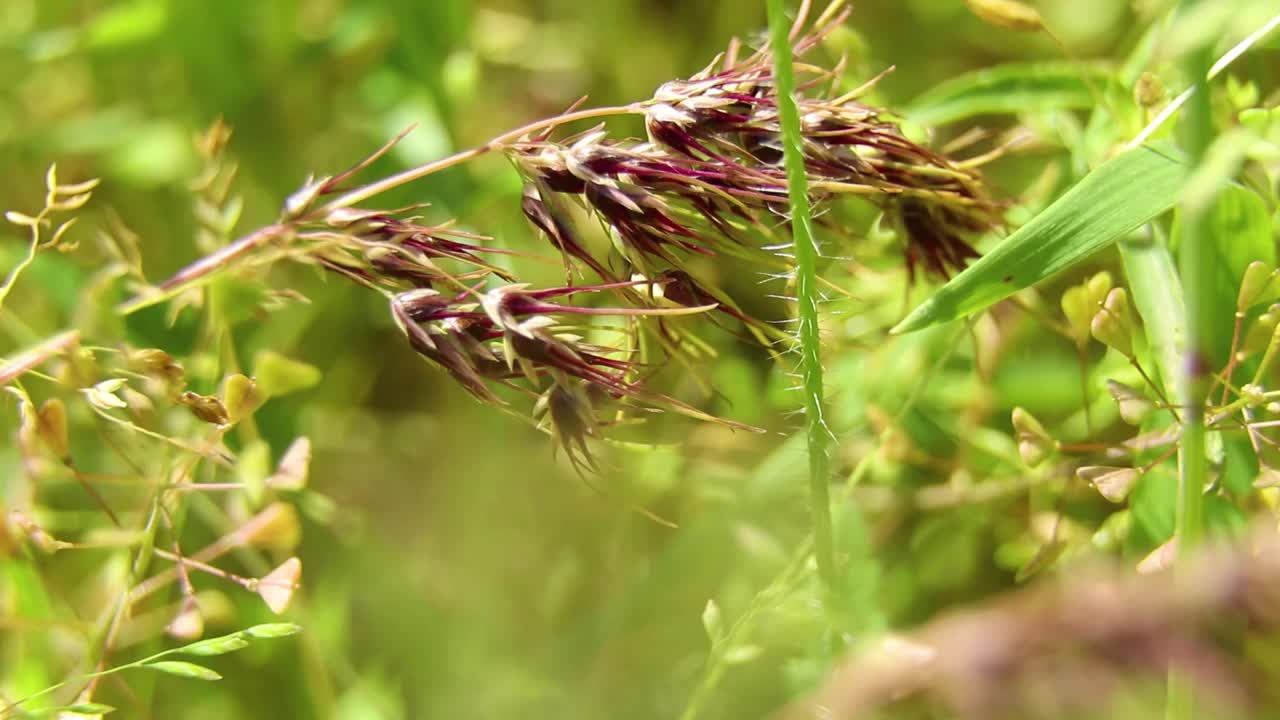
point(1109, 203)
point(173, 456)
point(1012, 89)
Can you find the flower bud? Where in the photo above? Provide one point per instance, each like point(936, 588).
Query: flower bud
point(1254, 395)
point(1255, 285)
point(1080, 303)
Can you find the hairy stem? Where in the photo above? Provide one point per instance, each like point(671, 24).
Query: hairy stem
point(806, 254)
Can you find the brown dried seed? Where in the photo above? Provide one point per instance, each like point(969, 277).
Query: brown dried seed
point(159, 363)
point(206, 407)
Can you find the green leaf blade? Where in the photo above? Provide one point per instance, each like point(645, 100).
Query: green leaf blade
point(1011, 89)
point(1115, 199)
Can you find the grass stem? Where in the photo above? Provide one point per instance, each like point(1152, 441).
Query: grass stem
point(1197, 275)
point(806, 255)
point(416, 173)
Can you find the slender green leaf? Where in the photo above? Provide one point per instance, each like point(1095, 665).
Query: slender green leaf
point(1109, 203)
point(1010, 89)
point(184, 669)
point(273, 630)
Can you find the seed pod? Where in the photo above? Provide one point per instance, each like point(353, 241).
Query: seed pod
point(1112, 483)
point(1259, 333)
point(1080, 303)
point(276, 588)
point(1035, 445)
point(291, 473)
point(1134, 406)
point(240, 397)
point(51, 425)
point(1256, 283)
point(1111, 325)
point(158, 363)
point(1159, 559)
point(188, 624)
point(206, 407)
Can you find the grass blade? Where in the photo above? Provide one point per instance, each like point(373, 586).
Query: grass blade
point(1011, 89)
point(1115, 199)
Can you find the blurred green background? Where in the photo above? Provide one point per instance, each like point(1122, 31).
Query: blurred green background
point(459, 571)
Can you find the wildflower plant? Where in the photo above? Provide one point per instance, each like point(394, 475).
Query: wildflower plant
point(694, 271)
point(707, 183)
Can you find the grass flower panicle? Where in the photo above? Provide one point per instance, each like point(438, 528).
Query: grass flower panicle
point(707, 182)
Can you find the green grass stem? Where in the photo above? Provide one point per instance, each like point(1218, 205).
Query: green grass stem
point(806, 253)
point(1197, 275)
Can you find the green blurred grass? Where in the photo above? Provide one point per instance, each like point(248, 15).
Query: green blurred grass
point(461, 572)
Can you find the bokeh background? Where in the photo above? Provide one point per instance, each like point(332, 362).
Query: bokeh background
point(453, 567)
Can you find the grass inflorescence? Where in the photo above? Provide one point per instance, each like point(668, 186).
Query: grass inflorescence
point(697, 295)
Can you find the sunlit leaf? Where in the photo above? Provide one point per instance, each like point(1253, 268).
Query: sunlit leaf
point(1109, 203)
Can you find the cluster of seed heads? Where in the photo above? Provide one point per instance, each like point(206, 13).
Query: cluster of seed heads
point(708, 182)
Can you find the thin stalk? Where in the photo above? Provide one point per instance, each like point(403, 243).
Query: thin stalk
point(230, 252)
point(1196, 274)
point(415, 173)
point(33, 357)
point(806, 253)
